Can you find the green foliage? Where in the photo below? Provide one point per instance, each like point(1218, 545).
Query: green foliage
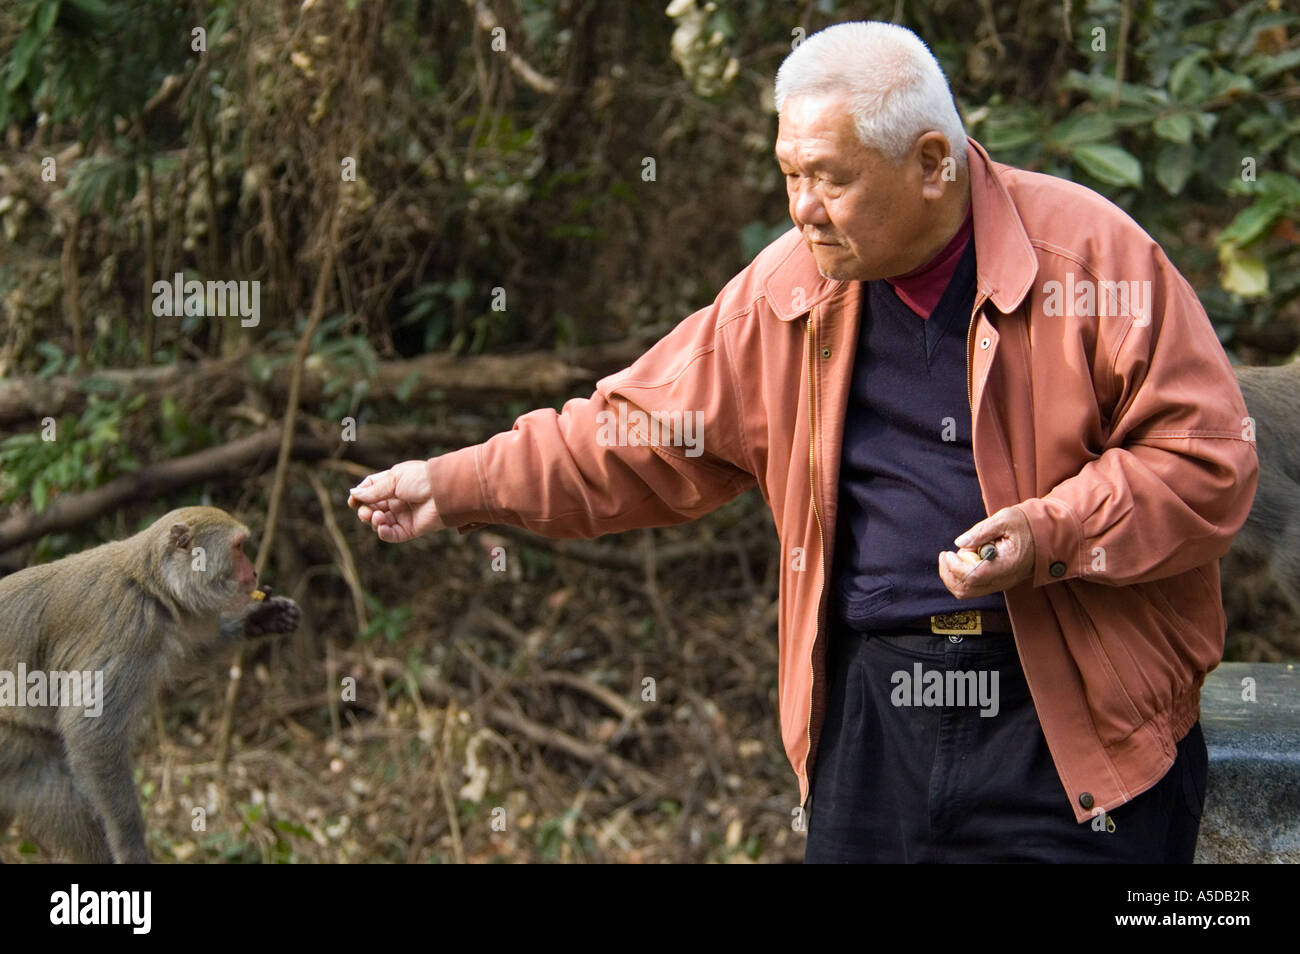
point(88, 452)
point(261, 839)
point(429, 307)
point(553, 833)
point(177, 433)
point(1201, 108)
point(388, 621)
point(1276, 201)
point(101, 182)
point(91, 61)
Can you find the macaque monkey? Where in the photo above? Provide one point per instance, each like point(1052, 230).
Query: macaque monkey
point(103, 630)
point(1272, 530)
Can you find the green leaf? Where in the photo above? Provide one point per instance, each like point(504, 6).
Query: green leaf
point(999, 134)
point(45, 17)
point(1280, 63)
point(1293, 156)
point(1245, 275)
point(1174, 166)
point(1225, 82)
point(1188, 81)
point(406, 387)
point(1101, 88)
point(1281, 187)
point(20, 59)
point(1109, 164)
point(289, 827)
point(1250, 223)
point(1205, 122)
point(1082, 127)
point(1176, 127)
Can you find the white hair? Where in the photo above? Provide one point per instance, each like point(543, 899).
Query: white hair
point(896, 87)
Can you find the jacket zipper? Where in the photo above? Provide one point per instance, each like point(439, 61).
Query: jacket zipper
point(970, 398)
point(821, 539)
point(970, 365)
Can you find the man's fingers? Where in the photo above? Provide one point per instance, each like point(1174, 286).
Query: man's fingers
point(988, 529)
point(374, 488)
point(959, 577)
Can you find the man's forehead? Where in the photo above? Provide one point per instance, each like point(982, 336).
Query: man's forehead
point(815, 123)
point(816, 144)
point(809, 152)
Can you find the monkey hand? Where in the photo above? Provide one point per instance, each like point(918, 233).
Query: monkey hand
point(397, 503)
point(275, 614)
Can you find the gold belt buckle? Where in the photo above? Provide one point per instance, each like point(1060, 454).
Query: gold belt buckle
point(961, 623)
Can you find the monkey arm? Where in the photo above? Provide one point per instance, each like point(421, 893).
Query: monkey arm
point(275, 614)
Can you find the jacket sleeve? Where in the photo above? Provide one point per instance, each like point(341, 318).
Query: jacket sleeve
point(656, 444)
point(1178, 474)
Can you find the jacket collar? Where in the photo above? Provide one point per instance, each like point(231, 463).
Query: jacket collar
point(1005, 259)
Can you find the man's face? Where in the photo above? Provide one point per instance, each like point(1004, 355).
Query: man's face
point(861, 214)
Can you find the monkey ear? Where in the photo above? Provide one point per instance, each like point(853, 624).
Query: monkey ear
point(181, 537)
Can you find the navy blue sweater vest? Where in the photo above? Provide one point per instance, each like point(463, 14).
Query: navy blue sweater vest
point(907, 483)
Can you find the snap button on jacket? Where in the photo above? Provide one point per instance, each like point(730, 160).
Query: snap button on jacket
point(1102, 403)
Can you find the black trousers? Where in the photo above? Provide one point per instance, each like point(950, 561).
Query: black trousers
point(899, 780)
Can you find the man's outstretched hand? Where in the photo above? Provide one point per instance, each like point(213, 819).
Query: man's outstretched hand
point(398, 502)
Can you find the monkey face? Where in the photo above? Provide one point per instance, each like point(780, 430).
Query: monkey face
point(242, 576)
point(209, 571)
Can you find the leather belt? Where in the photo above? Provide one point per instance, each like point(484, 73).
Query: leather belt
point(961, 623)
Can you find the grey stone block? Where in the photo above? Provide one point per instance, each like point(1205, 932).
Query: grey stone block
point(1252, 801)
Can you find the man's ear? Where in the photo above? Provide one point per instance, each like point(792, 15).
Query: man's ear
point(938, 166)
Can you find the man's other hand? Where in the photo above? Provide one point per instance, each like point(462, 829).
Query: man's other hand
point(398, 502)
point(967, 576)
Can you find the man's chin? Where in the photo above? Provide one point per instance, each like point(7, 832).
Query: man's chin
point(834, 267)
point(837, 272)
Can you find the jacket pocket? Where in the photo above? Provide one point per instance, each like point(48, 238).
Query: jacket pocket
point(1115, 715)
point(1190, 610)
point(1155, 593)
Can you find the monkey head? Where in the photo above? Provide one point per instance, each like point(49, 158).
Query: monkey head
point(203, 560)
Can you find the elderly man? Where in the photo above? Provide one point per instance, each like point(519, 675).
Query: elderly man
point(943, 353)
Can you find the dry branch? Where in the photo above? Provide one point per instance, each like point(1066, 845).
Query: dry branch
point(236, 460)
point(635, 778)
point(224, 380)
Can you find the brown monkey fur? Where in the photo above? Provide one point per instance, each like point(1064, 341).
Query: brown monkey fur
point(131, 610)
point(1272, 529)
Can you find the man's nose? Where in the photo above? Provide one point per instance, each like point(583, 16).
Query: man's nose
point(808, 208)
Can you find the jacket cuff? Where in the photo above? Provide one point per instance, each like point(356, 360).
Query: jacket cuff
point(1058, 540)
point(454, 480)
